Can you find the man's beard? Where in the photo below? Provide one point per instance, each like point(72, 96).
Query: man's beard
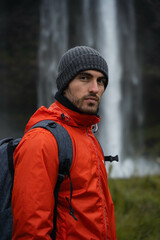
point(84, 107)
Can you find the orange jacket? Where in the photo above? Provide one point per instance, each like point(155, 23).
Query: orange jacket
point(36, 167)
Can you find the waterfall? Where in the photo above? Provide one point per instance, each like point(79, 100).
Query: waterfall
point(110, 135)
point(52, 44)
point(111, 127)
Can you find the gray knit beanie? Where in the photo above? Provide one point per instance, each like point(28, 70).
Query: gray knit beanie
point(79, 59)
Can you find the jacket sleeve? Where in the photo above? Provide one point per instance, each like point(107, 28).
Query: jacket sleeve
point(36, 168)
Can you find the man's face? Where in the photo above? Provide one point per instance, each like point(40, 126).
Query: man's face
point(85, 91)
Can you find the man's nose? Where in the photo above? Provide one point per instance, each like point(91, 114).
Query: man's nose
point(93, 87)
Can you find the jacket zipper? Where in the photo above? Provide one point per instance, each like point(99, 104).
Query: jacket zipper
point(99, 181)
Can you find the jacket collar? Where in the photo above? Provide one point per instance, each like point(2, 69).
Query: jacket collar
point(60, 113)
point(73, 118)
point(71, 114)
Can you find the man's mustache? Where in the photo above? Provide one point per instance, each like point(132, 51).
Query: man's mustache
point(91, 96)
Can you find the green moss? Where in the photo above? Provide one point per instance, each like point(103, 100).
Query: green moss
point(137, 207)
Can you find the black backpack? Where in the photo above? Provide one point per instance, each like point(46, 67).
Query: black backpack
point(7, 147)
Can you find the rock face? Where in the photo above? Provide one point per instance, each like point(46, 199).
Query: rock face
point(19, 64)
point(19, 30)
point(148, 40)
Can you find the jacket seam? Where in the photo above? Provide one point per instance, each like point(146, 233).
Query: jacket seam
point(100, 187)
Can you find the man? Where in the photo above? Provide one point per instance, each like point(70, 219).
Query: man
point(81, 82)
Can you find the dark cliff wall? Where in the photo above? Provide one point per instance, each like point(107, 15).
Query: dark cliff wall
point(148, 41)
point(19, 30)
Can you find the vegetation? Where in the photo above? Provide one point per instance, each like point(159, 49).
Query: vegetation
point(137, 207)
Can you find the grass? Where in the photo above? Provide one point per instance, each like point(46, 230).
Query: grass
point(137, 207)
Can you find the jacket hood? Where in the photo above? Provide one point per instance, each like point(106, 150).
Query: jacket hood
point(58, 112)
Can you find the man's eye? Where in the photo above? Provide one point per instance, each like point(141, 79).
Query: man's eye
point(102, 81)
point(83, 77)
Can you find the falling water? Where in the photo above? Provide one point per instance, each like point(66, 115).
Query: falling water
point(111, 128)
point(53, 43)
point(110, 136)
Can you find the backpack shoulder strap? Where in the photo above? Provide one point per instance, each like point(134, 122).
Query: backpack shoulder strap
point(64, 142)
point(65, 154)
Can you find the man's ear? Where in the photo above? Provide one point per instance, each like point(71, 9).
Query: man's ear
point(64, 93)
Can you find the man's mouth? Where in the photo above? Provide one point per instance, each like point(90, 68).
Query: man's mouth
point(91, 99)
